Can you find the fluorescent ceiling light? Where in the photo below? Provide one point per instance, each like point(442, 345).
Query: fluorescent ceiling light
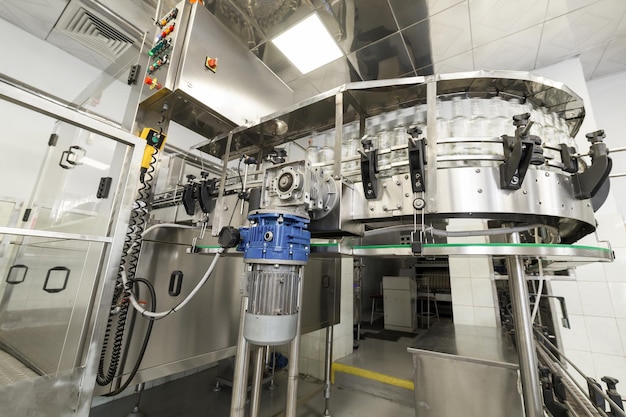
point(308, 45)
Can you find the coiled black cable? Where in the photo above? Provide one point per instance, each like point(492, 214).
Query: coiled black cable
point(130, 256)
point(146, 339)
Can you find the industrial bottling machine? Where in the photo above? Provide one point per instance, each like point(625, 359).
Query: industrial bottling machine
point(256, 217)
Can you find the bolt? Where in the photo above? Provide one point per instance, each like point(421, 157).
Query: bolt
point(547, 174)
point(406, 177)
point(418, 183)
point(477, 170)
point(480, 190)
point(371, 208)
point(384, 208)
point(406, 194)
point(515, 180)
point(398, 206)
point(369, 192)
point(525, 192)
point(225, 208)
point(398, 182)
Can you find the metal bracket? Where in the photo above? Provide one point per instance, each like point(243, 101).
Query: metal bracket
point(517, 155)
point(589, 182)
point(207, 191)
point(369, 169)
point(519, 152)
point(189, 195)
point(417, 160)
point(570, 163)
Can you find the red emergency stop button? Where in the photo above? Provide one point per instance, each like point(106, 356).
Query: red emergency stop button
point(211, 63)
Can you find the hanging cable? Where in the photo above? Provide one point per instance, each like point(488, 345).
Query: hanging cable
point(146, 339)
point(130, 256)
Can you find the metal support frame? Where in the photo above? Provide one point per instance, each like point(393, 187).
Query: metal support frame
point(327, 369)
point(238, 400)
point(257, 381)
point(294, 351)
point(528, 365)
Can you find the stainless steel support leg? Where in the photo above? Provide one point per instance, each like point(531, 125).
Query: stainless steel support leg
point(257, 382)
point(294, 352)
point(531, 389)
point(240, 378)
point(327, 369)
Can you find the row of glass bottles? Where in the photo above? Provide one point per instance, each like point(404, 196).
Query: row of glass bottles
point(458, 117)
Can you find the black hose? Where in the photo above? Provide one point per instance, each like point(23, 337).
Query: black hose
point(146, 339)
point(130, 256)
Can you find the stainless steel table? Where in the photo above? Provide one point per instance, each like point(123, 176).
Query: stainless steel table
point(468, 371)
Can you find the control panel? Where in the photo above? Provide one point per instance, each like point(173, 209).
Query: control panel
point(161, 52)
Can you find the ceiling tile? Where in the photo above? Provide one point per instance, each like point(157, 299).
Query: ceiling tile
point(238, 22)
point(589, 60)
point(436, 6)
point(560, 7)
point(514, 52)
point(621, 28)
point(459, 63)
point(302, 89)
point(386, 58)
point(277, 62)
point(36, 17)
point(580, 30)
point(275, 17)
point(366, 21)
point(332, 75)
point(493, 20)
point(450, 32)
point(409, 12)
point(417, 40)
point(613, 60)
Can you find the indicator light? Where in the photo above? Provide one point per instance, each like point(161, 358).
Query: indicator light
point(211, 63)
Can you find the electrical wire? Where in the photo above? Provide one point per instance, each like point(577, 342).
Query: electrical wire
point(162, 314)
point(146, 339)
point(166, 225)
point(130, 255)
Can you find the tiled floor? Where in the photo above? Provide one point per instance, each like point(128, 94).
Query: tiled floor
point(192, 396)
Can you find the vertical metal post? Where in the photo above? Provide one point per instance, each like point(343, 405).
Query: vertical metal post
point(257, 377)
point(327, 365)
point(294, 352)
point(533, 403)
point(432, 135)
point(338, 134)
point(240, 379)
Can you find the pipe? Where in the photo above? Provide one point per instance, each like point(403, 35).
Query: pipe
point(257, 377)
point(240, 377)
point(168, 225)
point(294, 351)
point(327, 369)
point(533, 403)
point(161, 314)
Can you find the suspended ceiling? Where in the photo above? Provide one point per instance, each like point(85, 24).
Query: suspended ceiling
point(385, 38)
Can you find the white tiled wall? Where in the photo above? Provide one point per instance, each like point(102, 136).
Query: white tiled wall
point(313, 345)
point(596, 300)
point(474, 299)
